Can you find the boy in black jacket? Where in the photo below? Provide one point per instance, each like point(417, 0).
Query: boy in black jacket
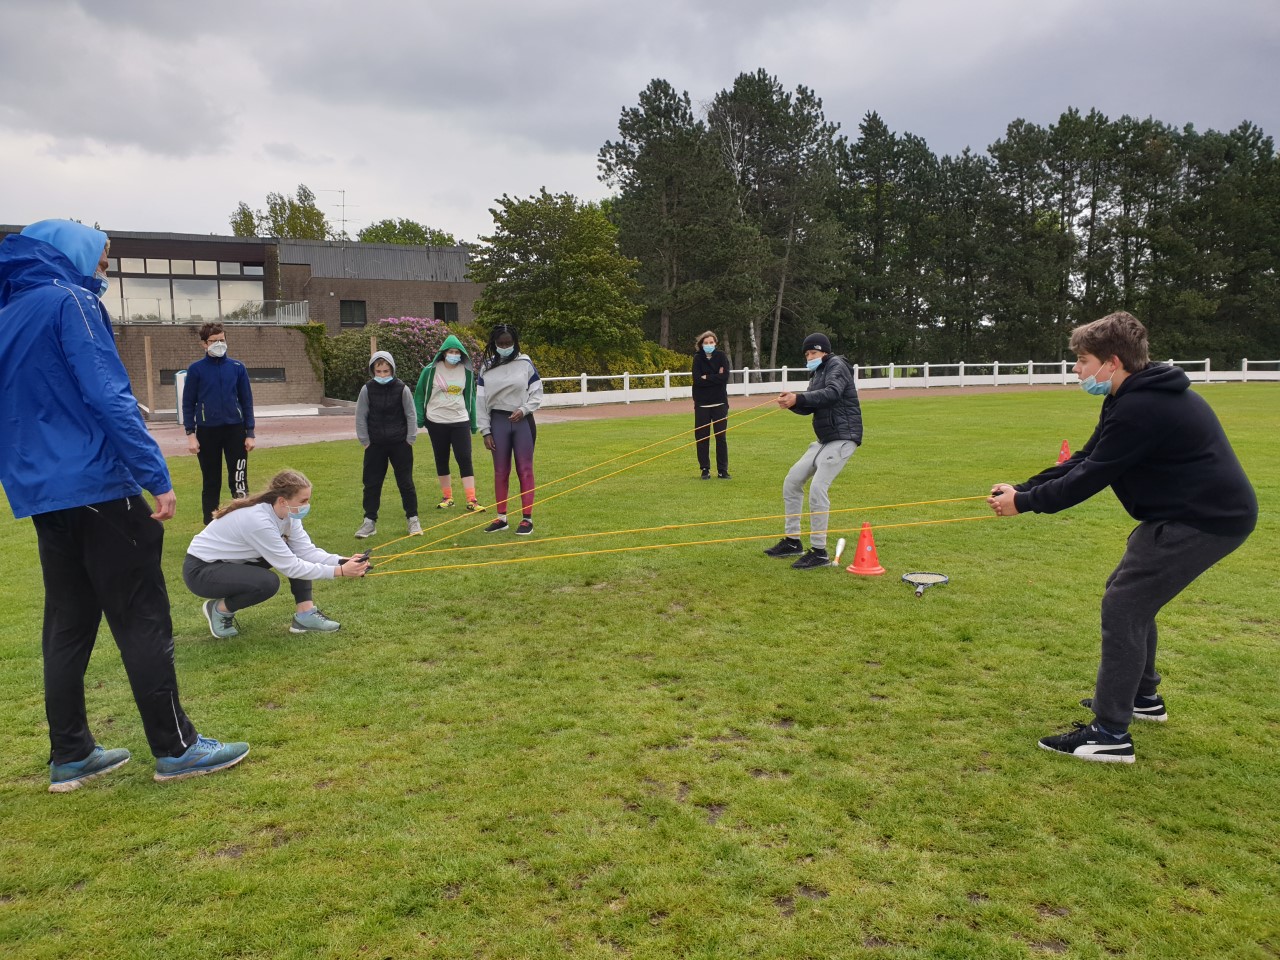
point(1164, 454)
point(832, 401)
point(217, 413)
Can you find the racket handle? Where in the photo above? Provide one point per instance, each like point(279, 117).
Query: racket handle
point(920, 590)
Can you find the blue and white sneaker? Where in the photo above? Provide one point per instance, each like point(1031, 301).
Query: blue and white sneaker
point(221, 625)
point(206, 755)
point(313, 621)
point(65, 777)
point(1087, 742)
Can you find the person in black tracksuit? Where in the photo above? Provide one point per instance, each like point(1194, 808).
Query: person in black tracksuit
point(217, 413)
point(710, 404)
point(386, 426)
point(832, 401)
point(1161, 449)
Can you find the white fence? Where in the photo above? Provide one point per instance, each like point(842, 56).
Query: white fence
point(637, 387)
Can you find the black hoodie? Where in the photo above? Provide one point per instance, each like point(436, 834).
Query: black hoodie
point(1160, 447)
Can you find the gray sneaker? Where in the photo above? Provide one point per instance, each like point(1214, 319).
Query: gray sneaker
point(367, 529)
point(221, 625)
point(415, 528)
point(313, 621)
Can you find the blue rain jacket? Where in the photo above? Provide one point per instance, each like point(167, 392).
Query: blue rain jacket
point(70, 430)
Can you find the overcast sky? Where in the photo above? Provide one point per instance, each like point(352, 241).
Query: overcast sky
point(155, 115)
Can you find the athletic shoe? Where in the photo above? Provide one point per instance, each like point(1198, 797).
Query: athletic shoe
point(367, 529)
point(313, 621)
point(65, 777)
point(723, 475)
point(525, 528)
point(1144, 708)
point(445, 504)
point(1087, 742)
point(474, 507)
point(221, 625)
point(496, 526)
point(706, 474)
point(786, 547)
point(415, 528)
point(206, 755)
point(816, 557)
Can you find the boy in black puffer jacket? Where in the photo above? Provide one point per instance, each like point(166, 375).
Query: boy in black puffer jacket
point(386, 426)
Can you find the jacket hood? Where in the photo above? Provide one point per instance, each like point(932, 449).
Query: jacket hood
point(1163, 377)
point(46, 251)
point(451, 343)
point(382, 355)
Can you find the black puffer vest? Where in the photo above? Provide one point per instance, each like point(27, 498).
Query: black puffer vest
point(387, 422)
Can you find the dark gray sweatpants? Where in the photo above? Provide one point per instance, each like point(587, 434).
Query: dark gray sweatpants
point(238, 584)
point(1161, 560)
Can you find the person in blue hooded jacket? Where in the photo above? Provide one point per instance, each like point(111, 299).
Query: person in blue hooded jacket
point(217, 413)
point(75, 456)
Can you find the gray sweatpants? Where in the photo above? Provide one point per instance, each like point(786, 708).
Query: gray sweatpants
point(823, 462)
point(1161, 559)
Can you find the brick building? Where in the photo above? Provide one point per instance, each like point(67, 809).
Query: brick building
point(162, 286)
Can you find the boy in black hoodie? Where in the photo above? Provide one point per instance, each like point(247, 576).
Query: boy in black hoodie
point(386, 427)
point(1164, 454)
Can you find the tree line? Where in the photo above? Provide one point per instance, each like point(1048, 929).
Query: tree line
point(756, 217)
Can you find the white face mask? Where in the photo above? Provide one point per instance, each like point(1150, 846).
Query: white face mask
point(217, 349)
point(453, 357)
point(505, 351)
point(99, 285)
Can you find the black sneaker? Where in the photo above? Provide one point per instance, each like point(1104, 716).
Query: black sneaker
point(1144, 708)
point(496, 526)
point(816, 557)
point(724, 475)
point(786, 547)
point(706, 474)
point(1087, 742)
point(525, 528)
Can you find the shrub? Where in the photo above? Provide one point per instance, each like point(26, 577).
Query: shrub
point(413, 341)
point(648, 357)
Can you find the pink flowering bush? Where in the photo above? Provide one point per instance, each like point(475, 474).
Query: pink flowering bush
point(413, 341)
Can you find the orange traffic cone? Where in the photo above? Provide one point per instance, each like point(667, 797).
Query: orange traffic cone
point(1065, 453)
point(865, 561)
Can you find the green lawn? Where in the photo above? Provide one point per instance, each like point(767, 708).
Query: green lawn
point(686, 752)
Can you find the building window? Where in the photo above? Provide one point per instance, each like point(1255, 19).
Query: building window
point(133, 265)
point(447, 311)
point(229, 269)
point(253, 270)
point(353, 313)
point(206, 268)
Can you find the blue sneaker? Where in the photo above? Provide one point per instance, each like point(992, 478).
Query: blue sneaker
point(65, 777)
point(206, 755)
point(313, 621)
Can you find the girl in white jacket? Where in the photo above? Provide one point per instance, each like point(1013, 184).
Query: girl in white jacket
point(508, 393)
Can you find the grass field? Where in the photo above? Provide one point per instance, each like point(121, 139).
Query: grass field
point(685, 752)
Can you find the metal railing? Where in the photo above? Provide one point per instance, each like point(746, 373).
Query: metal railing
point(150, 310)
point(586, 389)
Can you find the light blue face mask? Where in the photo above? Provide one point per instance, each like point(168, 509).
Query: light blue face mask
point(1095, 387)
point(384, 379)
point(813, 364)
point(505, 352)
point(708, 348)
point(98, 284)
point(301, 512)
point(453, 358)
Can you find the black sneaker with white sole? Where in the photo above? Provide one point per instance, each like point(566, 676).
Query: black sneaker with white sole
point(1087, 742)
point(1144, 708)
point(786, 547)
point(816, 557)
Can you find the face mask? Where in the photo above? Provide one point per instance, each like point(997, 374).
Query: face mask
point(505, 352)
point(300, 512)
point(1095, 387)
point(813, 364)
point(453, 358)
point(708, 348)
point(98, 284)
point(218, 348)
point(384, 379)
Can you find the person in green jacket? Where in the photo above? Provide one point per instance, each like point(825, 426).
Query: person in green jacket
point(445, 399)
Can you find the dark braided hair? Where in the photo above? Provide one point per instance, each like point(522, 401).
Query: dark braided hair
point(492, 359)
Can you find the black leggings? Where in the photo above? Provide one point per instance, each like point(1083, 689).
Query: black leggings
point(238, 584)
point(451, 435)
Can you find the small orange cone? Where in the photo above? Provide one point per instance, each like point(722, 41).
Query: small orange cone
point(1065, 453)
point(865, 561)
